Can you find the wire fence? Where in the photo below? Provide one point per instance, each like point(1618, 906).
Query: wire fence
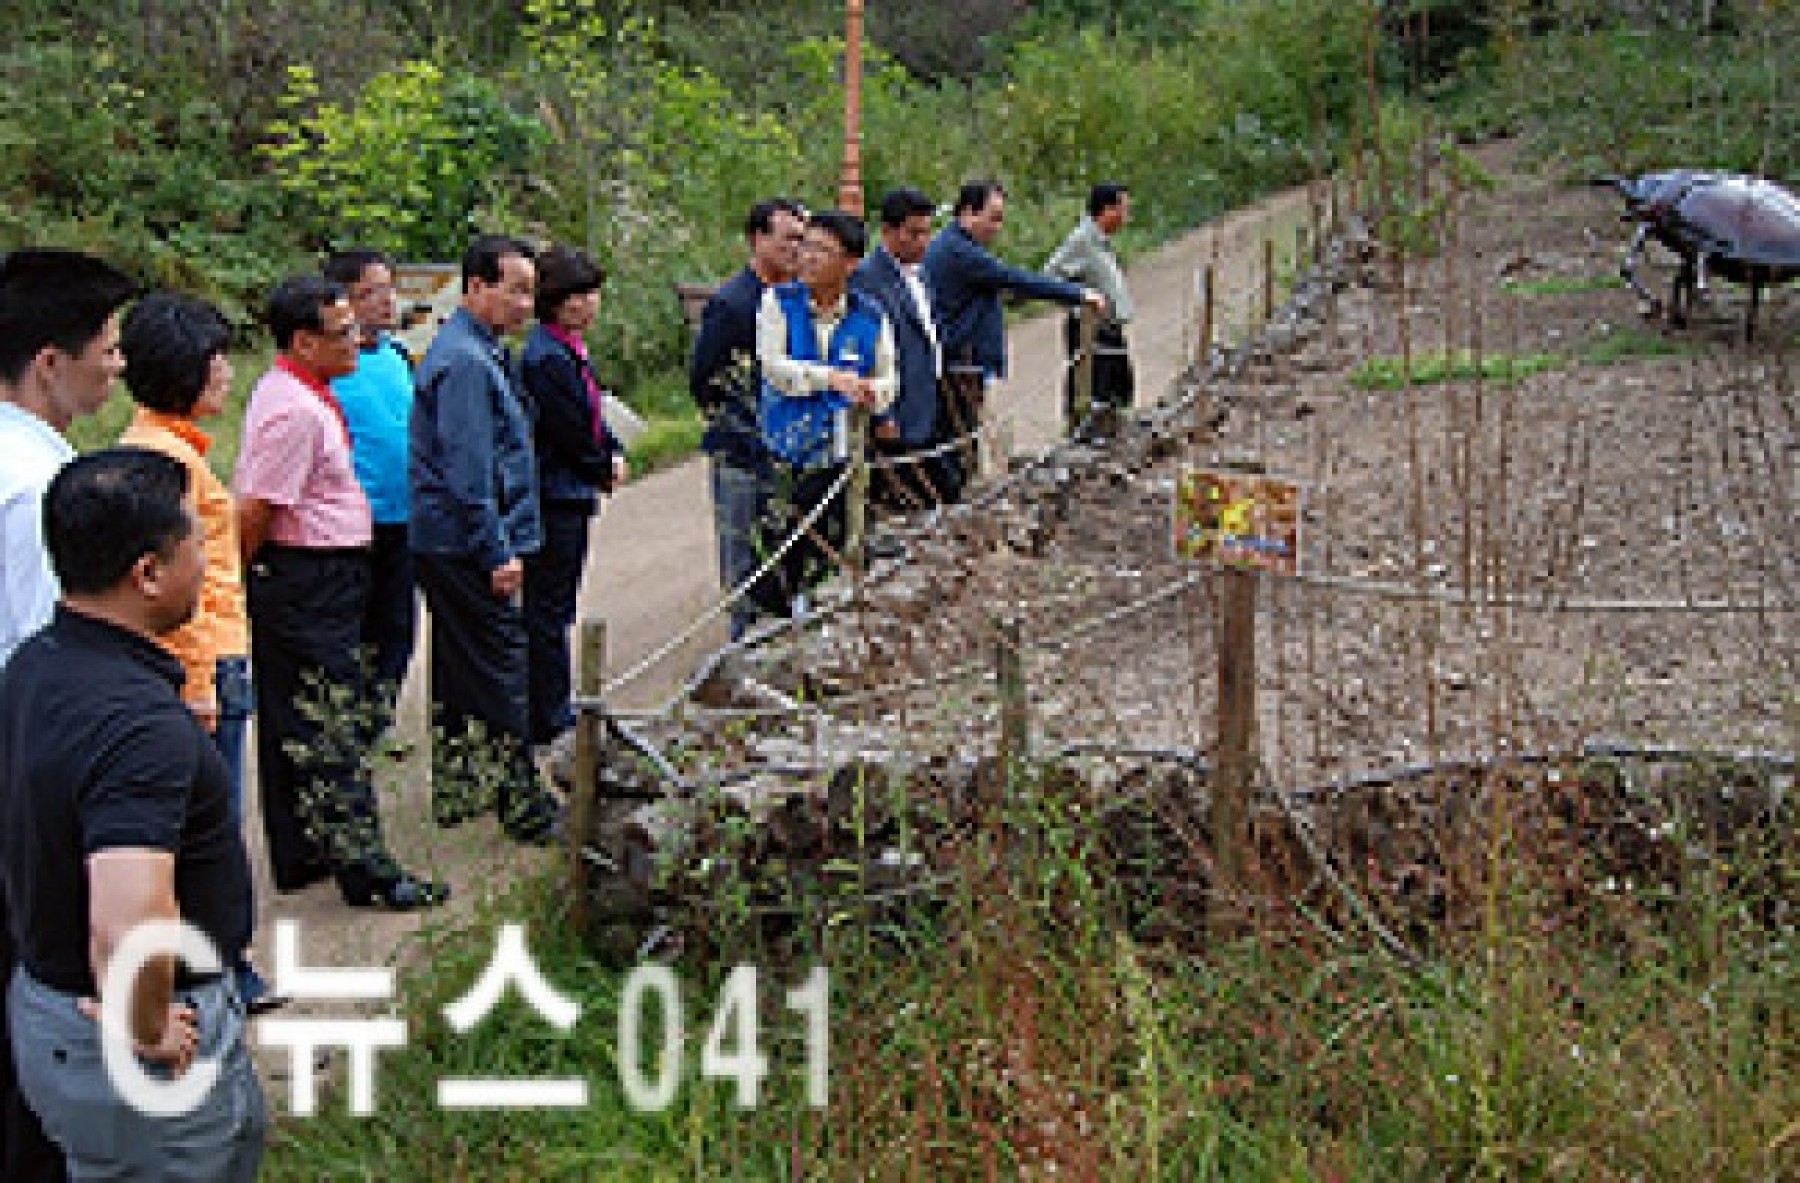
point(1594, 551)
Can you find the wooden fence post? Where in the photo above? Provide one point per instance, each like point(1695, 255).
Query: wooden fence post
point(856, 509)
point(1206, 317)
point(1234, 761)
point(1268, 278)
point(583, 798)
point(1082, 400)
point(1009, 674)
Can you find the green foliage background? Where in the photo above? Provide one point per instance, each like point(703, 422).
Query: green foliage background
point(217, 146)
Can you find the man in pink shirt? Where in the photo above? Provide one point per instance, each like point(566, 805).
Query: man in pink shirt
point(305, 529)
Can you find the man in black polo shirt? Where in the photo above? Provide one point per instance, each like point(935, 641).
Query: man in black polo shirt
point(115, 810)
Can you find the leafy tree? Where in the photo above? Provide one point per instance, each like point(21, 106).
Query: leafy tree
point(418, 162)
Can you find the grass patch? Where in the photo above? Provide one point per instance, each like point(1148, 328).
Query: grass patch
point(1391, 373)
point(1633, 344)
point(1561, 285)
point(1018, 1028)
point(673, 425)
point(1612, 348)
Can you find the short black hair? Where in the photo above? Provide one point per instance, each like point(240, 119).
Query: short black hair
point(296, 304)
point(482, 259)
point(1104, 196)
point(846, 228)
point(901, 204)
point(54, 297)
point(974, 195)
point(169, 341)
point(347, 266)
point(564, 271)
point(106, 510)
point(761, 219)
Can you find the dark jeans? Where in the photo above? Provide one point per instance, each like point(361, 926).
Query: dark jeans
point(552, 581)
point(390, 621)
point(1114, 383)
point(740, 497)
point(237, 702)
point(319, 813)
point(479, 683)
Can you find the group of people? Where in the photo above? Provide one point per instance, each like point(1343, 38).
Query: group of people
point(914, 331)
point(145, 606)
point(148, 608)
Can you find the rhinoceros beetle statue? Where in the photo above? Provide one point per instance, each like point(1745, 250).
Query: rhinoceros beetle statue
point(1745, 229)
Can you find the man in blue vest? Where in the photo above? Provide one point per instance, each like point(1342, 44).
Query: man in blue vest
point(823, 348)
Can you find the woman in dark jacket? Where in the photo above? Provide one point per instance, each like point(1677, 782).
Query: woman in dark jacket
point(578, 460)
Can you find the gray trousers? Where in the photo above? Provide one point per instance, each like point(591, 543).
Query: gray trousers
point(64, 1078)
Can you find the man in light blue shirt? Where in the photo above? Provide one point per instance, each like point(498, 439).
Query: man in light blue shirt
point(59, 358)
point(377, 399)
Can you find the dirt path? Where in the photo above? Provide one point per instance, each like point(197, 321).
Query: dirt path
point(654, 572)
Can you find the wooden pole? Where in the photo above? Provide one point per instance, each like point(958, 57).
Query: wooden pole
point(856, 507)
point(1234, 761)
point(850, 187)
point(1268, 278)
point(590, 669)
point(1083, 400)
point(1206, 317)
point(1009, 673)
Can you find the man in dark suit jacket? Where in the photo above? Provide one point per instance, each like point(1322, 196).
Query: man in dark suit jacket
point(966, 281)
point(916, 423)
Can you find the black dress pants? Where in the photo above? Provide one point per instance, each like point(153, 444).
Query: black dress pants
point(1114, 383)
point(313, 719)
point(390, 620)
point(552, 585)
point(479, 672)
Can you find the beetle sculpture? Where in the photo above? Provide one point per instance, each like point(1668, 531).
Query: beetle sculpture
point(1746, 229)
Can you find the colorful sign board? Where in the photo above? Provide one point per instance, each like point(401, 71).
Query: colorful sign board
point(1236, 519)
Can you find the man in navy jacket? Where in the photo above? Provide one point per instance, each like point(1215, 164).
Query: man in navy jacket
point(916, 423)
point(966, 281)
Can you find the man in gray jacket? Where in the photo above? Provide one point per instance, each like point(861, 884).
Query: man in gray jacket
point(1087, 257)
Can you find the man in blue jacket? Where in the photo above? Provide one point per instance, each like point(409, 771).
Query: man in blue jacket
point(724, 381)
point(474, 519)
point(966, 281)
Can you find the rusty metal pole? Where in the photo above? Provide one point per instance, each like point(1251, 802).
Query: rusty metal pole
point(590, 669)
point(850, 187)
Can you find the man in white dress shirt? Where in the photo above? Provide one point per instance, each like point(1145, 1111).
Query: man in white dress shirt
point(59, 358)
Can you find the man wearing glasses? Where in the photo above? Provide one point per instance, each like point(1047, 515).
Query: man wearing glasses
point(304, 528)
point(724, 380)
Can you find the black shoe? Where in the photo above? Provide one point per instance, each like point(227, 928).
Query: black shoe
point(391, 888)
point(535, 820)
